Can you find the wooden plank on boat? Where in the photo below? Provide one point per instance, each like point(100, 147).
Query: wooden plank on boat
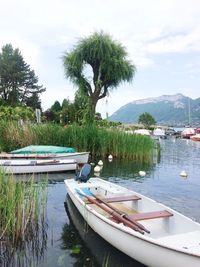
point(120, 215)
point(118, 199)
point(150, 215)
point(115, 214)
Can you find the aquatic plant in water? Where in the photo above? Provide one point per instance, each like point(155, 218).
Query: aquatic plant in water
point(22, 225)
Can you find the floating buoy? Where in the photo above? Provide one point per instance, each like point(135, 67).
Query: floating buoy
point(142, 173)
point(97, 168)
point(110, 157)
point(97, 174)
point(183, 174)
point(92, 163)
point(100, 163)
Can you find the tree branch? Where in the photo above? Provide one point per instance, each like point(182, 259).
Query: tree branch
point(105, 90)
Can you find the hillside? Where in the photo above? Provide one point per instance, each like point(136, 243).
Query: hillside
point(167, 109)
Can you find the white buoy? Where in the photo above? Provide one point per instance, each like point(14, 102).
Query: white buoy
point(142, 173)
point(110, 157)
point(92, 163)
point(97, 168)
point(97, 174)
point(183, 174)
point(100, 163)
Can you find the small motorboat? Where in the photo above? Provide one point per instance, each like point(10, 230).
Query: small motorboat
point(159, 133)
point(23, 166)
point(187, 133)
point(47, 152)
point(165, 238)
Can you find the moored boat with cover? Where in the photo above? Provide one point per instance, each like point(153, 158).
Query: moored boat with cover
point(47, 152)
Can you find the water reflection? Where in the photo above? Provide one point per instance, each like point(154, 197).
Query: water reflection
point(94, 251)
point(28, 252)
point(126, 169)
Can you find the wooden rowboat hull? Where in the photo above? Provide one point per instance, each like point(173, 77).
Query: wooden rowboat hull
point(173, 241)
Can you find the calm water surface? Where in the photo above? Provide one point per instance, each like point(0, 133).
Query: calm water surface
point(69, 240)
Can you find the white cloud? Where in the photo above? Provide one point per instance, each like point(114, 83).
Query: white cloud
point(180, 43)
point(146, 28)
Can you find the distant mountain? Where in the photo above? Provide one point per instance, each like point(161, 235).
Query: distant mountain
point(167, 109)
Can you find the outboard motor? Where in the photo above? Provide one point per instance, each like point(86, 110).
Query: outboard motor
point(84, 173)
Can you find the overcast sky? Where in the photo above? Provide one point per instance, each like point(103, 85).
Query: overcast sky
point(162, 38)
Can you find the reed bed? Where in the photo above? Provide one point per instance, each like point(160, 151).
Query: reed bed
point(22, 210)
point(99, 141)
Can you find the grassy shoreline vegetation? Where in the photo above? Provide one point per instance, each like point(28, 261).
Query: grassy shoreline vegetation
point(22, 224)
point(98, 141)
point(23, 235)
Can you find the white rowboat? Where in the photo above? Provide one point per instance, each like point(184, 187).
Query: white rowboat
point(20, 166)
point(165, 238)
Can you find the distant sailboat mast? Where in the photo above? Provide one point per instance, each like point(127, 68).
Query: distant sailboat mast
point(189, 112)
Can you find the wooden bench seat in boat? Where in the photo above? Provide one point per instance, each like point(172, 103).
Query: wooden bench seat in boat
point(150, 215)
point(145, 216)
point(117, 199)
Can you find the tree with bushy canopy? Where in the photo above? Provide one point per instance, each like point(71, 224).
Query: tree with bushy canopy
point(146, 119)
point(106, 58)
point(18, 83)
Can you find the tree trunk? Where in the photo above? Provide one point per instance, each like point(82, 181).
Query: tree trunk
point(94, 101)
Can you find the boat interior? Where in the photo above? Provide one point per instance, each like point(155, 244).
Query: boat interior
point(161, 223)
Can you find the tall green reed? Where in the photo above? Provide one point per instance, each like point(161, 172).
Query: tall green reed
point(98, 141)
point(22, 211)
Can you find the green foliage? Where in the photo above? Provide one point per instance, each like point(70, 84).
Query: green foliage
point(146, 119)
point(82, 107)
point(65, 103)
point(69, 112)
point(9, 113)
point(18, 83)
point(56, 107)
point(107, 124)
point(108, 61)
point(99, 141)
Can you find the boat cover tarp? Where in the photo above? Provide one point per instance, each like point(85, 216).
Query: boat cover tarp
point(43, 150)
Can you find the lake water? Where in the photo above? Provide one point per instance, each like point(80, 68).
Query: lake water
point(70, 242)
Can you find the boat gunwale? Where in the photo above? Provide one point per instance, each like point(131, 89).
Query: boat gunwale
point(41, 155)
point(38, 164)
point(128, 230)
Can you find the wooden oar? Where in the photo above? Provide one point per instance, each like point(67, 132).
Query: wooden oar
point(122, 214)
point(112, 212)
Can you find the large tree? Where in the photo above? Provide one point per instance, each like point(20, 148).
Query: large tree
point(108, 61)
point(18, 83)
